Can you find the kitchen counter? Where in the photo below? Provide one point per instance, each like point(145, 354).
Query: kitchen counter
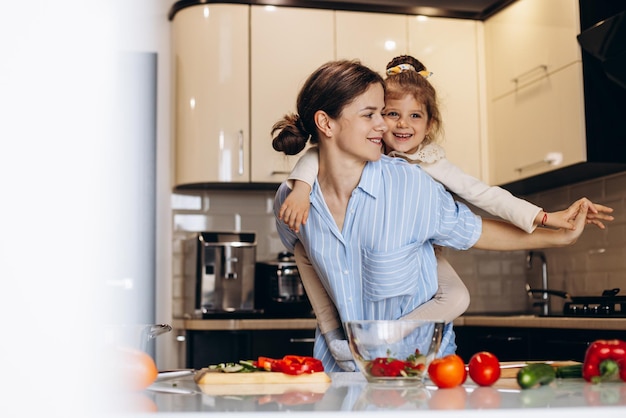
point(533, 321)
point(350, 393)
point(523, 321)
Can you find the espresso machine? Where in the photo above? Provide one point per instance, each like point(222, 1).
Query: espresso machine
point(219, 272)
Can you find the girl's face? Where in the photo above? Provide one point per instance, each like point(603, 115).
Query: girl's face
point(360, 127)
point(407, 122)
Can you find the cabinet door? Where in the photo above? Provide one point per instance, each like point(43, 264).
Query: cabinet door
point(537, 123)
point(213, 347)
point(455, 77)
point(529, 39)
point(373, 38)
point(508, 344)
point(287, 44)
point(211, 120)
point(279, 343)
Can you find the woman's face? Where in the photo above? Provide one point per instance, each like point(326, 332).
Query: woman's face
point(360, 127)
point(407, 123)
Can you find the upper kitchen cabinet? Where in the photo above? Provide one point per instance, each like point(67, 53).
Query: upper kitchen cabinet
point(372, 38)
point(449, 48)
point(210, 45)
point(534, 88)
point(287, 44)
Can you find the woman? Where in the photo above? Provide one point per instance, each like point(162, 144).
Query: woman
point(374, 219)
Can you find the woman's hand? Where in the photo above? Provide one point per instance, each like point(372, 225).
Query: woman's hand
point(566, 218)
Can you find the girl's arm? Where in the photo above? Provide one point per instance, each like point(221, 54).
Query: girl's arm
point(295, 209)
point(499, 202)
point(503, 236)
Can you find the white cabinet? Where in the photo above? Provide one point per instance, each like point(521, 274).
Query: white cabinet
point(535, 89)
point(287, 44)
point(238, 70)
point(449, 48)
point(539, 127)
point(211, 105)
point(372, 38)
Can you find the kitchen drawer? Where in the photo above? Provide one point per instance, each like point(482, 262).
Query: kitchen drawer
point(537, 344)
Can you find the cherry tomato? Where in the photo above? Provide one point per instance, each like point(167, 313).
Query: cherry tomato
point(448, 371)
point(484, 368)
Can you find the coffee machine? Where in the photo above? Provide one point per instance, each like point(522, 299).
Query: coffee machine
point(219, 271)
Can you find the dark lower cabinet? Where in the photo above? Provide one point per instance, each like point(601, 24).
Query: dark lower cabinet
point(204, 348)
point(519, 344)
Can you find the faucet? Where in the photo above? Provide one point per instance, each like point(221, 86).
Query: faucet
point(545, 306)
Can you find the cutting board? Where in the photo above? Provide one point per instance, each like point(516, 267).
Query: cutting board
point(509, 369)
point(260, 383)
point(216, 378)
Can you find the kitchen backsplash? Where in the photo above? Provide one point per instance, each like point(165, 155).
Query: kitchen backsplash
point(496, 280)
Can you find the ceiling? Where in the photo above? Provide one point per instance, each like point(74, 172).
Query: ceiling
point(463, 9)
point(467, 9)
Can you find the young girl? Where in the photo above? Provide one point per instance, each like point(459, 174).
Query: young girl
point(414, 123)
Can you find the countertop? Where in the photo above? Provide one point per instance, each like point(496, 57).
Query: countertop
point(350, 393)
point(522, 321)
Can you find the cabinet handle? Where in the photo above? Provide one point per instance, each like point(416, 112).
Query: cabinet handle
point(241, 152)
point(542, 67)
point(274, 173)
point(302, 340)
point(551, 158)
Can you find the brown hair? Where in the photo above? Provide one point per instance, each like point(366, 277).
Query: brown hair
point(411, 82)
point(330, 88)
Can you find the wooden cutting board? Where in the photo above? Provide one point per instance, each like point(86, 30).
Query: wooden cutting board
point(509, 369)
point(260, 383)
point(203, 377)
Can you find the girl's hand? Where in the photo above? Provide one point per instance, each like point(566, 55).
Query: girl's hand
point(295, 209)
point(565, 219)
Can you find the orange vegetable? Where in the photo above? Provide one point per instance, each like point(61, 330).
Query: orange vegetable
point(448, 371)
point(136, 370)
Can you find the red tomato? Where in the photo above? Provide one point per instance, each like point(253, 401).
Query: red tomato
point(448, 371)
point(484, 368)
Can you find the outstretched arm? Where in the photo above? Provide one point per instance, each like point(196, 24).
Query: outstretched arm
point(565, 218)
point(503, 236)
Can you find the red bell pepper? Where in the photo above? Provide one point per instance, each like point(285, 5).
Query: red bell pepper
point(604, 360)
point(291, 364)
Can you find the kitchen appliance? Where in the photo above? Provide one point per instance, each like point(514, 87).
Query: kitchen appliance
point(219, 274)
point(608, 305)
point(278, 289)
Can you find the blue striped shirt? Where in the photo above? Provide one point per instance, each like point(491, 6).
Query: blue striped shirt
point(382, 264)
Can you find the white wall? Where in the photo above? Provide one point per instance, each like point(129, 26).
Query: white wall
point(63, 168)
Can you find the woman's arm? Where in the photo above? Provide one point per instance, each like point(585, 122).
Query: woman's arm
point(503, 236)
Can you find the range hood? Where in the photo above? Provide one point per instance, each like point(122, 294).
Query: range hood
point(606, 41)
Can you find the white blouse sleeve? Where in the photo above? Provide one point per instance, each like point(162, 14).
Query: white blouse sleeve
point(306, 168)
point(494, 200)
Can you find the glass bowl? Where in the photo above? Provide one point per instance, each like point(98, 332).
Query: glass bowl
point(394, 351)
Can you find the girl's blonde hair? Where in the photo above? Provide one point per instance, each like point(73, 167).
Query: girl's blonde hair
point(410, 80)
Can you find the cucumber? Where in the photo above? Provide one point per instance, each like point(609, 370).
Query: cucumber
point(535, 374)
point(573, 371)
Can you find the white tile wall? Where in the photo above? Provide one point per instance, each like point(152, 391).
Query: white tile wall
point(496, 280)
